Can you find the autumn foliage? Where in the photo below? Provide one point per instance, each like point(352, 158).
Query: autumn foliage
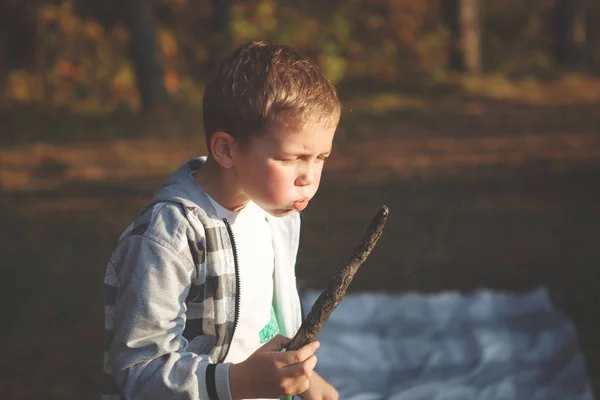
point(73, 54)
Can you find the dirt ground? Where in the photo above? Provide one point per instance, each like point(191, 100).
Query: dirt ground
point(495, 195)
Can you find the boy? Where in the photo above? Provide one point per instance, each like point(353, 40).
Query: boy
point(205, 275)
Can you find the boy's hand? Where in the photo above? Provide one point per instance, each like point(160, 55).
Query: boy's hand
point(270, 373)
point(319, 389)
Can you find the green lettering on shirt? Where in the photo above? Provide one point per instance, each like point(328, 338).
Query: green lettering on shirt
point(270, 330)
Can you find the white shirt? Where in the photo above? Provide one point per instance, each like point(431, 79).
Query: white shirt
point(254, 245)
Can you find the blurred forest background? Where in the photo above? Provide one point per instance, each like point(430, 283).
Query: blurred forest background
point(477, 122)
point(84, 56)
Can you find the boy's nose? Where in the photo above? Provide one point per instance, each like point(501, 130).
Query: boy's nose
point(304, 179)
point(305, 176)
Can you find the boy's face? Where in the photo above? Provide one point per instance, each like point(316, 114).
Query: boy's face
point(281, 170)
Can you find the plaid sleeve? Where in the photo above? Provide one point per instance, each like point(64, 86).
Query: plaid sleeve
point(147, 356)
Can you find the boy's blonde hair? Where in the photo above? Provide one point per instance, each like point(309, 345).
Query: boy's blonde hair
point(265, 85)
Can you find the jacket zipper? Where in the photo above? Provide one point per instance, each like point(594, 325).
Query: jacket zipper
point(237, 284)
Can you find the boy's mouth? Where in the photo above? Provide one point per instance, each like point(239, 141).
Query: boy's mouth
point(300, 204)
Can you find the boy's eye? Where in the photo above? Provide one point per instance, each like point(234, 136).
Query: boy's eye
point(289, 161)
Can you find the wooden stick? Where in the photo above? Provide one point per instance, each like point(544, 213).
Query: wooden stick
point(335, 291)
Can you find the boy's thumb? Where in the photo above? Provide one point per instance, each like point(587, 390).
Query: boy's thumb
point(278, 343)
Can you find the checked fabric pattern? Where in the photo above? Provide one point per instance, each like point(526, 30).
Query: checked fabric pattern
point(168, 243)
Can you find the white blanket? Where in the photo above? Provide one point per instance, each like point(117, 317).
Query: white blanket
point(451, 346)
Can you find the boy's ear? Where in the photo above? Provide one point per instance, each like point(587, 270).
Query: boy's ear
point(221, 144)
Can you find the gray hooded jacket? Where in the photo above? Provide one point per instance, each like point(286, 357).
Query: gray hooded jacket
point(171, 296)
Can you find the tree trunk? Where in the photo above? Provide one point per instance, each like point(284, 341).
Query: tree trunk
point(570, 33)
point(221, 17)
point(451, 17)
point(3, 67)
point(221, 41)
point(145, 56)
point(463, 19)
point(470, 23)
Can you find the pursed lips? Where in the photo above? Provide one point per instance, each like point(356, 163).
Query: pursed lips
point(300, 204)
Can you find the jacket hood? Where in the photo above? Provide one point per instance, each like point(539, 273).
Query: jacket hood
point(181, 187)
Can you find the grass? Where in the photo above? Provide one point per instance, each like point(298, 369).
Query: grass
point(483, 193)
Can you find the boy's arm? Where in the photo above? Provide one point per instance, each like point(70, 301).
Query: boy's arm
point(147, 354)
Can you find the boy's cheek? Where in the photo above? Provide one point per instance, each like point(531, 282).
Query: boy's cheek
point(278, 182)
point(317, 178)
point(318, 174)
point(278, 175)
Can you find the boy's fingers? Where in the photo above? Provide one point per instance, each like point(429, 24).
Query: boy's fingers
point(304, 368)
point(297, 356)
point(278, 343)
point(306, 351)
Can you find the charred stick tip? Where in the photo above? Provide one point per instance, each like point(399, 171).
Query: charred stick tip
point(384, 210)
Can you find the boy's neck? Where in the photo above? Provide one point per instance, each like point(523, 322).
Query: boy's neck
point(221, 185)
